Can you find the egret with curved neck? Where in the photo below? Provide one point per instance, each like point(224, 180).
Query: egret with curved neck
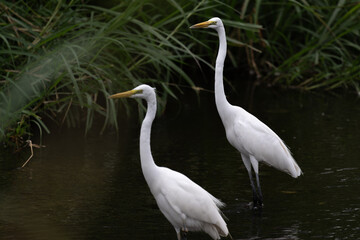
point(252, 138)
point(186, 205)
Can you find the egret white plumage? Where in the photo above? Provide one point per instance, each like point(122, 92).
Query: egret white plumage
point(186, 205)
point(252, 138)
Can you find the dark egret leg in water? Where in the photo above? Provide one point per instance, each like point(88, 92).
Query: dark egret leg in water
point(255, 165)
point(247, 164)
point(259, 190)
point(257, 196)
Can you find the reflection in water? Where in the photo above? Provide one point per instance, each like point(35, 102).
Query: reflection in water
point(93, 188)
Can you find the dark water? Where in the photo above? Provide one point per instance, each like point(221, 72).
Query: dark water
point(93, 187)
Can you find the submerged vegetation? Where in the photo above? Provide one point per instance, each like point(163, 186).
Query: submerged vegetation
point(62, 59)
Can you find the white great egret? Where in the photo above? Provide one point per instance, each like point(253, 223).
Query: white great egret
point(186, 205)
point(252, 138)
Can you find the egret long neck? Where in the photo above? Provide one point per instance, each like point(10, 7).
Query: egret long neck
point(221, 102)
point(147, 162)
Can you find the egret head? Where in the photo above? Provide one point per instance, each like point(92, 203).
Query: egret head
point(214, 22)
point(142, 91)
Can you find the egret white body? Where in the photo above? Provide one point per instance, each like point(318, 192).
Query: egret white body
point(252, 138)
point(186, 205)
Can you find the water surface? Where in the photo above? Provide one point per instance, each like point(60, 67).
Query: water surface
point(92, 187)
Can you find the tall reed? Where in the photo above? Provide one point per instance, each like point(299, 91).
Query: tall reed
point(61, 59)
point(308, 44)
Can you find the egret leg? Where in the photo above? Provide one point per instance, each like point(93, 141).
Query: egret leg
point(256, 198)
point(259, 190)
point(255, 165)
point(247, 164)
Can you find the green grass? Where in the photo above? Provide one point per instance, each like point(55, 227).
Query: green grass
point(62, 59)
point(312, 44)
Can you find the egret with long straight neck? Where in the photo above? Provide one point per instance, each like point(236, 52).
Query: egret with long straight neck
point(186, 205)
point(252, 138)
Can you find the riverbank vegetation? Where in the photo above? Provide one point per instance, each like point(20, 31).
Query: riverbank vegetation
point(61, 59)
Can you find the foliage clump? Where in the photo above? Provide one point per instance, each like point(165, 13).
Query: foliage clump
point(62, 59)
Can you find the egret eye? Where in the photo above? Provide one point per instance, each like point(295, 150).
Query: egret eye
point(138, 91)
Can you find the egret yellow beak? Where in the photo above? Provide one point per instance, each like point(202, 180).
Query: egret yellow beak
point(203, 24)
point(125, 94)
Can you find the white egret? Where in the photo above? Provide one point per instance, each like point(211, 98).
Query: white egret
point(252, 138)
point(186, 205)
